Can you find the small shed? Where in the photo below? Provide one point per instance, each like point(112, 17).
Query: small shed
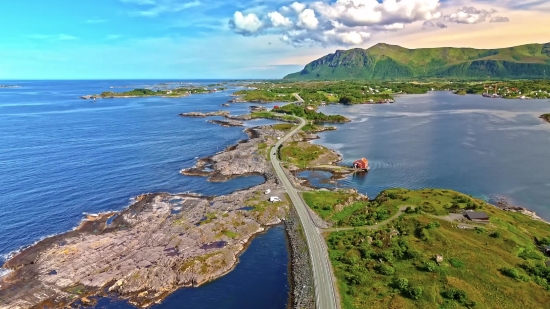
point(478, 216)
point(361, 164)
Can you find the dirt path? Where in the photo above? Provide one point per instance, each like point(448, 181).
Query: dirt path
point(370, 227)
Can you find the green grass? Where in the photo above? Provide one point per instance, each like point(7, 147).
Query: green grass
point(301, 154)
point(283, 126)
point(323, 202)
point(230, 234)
point(495, 267)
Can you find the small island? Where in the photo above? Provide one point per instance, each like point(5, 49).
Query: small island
point(545, 117)
point(142, 92)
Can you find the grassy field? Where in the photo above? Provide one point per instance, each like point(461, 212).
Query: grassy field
point(497, 266)
point(302, 154)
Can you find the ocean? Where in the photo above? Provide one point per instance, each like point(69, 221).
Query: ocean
point(62, 157)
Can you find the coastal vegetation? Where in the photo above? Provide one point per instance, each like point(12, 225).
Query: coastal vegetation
point(545, 117)
point(426, 259)
point(302, 154)
point(177, 92)
point(310, 114)
point(317, 93)
point(392, 62)
point(264, 96)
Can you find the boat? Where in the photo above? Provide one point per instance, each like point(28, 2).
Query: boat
point(361, 164)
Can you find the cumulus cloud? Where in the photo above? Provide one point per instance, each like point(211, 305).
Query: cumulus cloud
point(245, 24)
point(343, 22)
point(471, 15)
point(352, 22)
point(278, 20)
point(298, 7)
point(499, 19)
point(307, 19)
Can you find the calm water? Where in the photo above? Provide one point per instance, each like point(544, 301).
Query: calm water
point(62, 156)
point(468, 143)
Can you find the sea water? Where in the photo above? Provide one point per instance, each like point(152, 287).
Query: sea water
point(479, 146)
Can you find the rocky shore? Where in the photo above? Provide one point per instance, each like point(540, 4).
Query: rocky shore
point(209, 114)
point(159, 244)
point(504, 204)
point(228, 123)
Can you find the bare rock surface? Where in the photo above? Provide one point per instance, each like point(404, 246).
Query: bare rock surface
point(246, 158)
point(209, 114)
point(228, 123)
point(159, 244)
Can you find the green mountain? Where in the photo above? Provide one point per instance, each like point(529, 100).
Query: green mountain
point(384, 61)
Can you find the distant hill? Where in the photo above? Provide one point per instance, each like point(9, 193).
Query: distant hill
point(384, 61)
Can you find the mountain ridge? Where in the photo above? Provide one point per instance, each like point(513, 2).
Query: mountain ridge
point(386, 61)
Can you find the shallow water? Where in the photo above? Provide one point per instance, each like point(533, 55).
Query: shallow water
point(472, 144)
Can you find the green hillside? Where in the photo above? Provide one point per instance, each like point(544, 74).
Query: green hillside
point(414, 249)
point(384, 61)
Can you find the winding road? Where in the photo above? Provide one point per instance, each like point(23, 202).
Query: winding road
point(325, 290)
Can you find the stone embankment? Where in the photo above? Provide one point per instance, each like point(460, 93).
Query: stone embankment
point(302, 285)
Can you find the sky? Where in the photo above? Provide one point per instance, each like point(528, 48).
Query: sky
point(221, 39)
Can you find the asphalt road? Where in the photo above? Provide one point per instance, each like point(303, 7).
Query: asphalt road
point(325, 291)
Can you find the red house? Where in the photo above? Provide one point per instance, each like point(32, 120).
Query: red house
point(361, 164)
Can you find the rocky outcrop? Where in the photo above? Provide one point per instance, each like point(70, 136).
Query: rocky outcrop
point(159, 244)
point(241, 159)
point(228, 123)
point(209, 114)
point(504, 204)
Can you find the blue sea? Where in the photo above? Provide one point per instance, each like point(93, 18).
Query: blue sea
point(62, 157)
point(480, 146)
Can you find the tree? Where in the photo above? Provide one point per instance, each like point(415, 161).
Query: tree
point(415, 292)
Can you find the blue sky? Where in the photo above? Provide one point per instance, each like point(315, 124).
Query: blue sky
point(70, 39)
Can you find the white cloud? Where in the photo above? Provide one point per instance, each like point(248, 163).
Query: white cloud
point(353, 22)
point(56, 37)
point(307, 19)
point(278, 20)
point(298, 7)
point(153, 8)
point(499, 19)
point(343, 22)
point(471, 15)
point(245, 25)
